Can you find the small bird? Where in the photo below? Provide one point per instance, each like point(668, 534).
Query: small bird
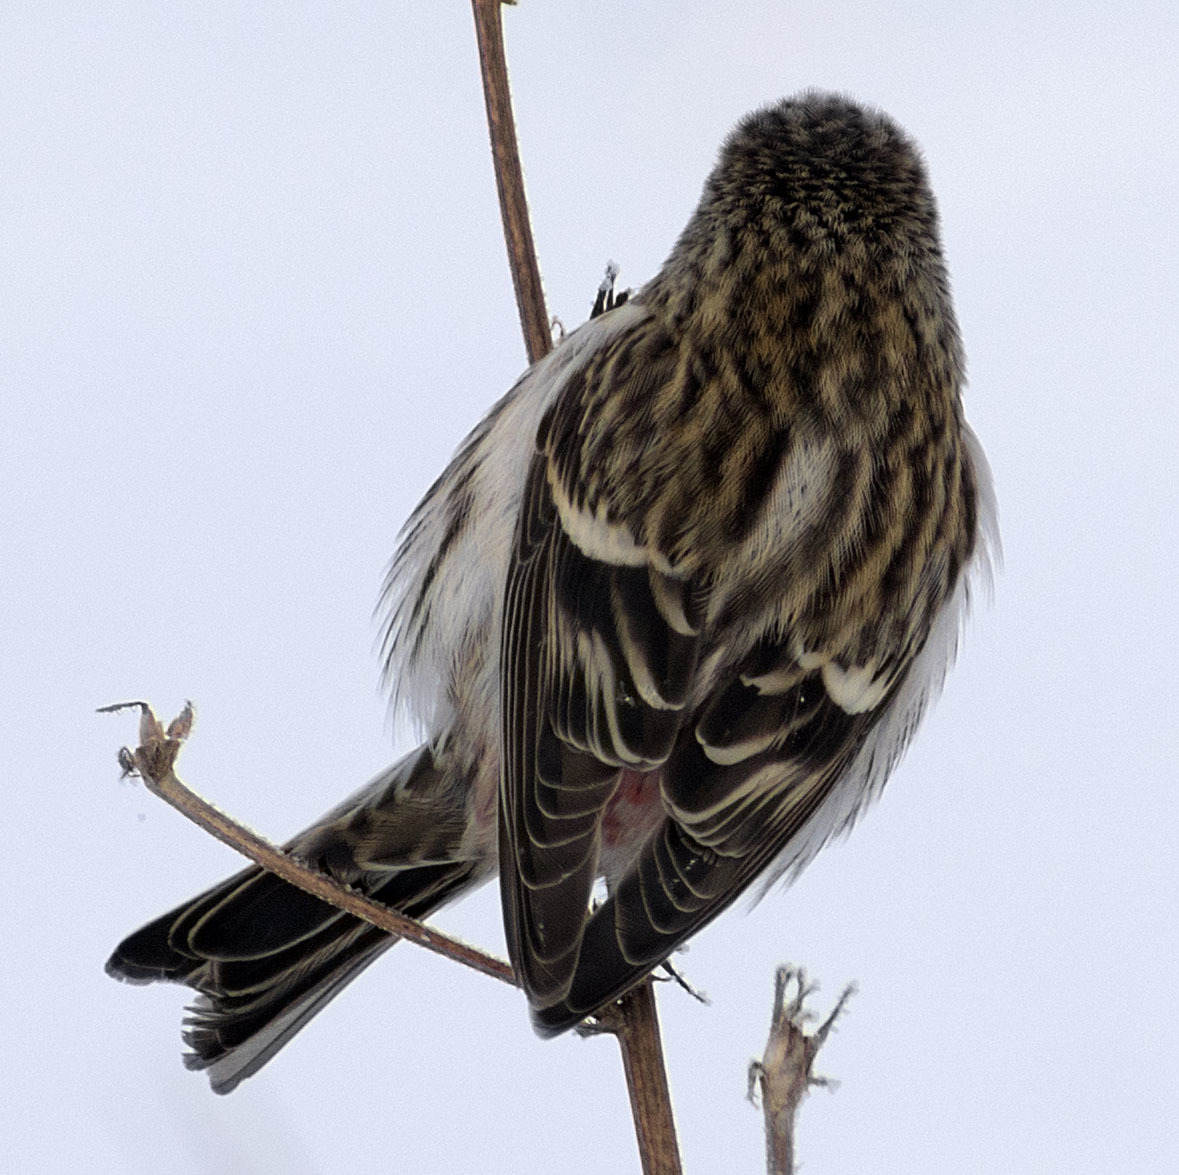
point(670, 615)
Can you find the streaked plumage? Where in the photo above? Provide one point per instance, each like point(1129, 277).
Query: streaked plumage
point(670, 615)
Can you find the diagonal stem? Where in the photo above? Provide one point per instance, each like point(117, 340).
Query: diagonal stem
point(154, 762)
point(509, 181)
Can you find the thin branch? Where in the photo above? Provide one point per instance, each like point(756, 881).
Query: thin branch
point(154, 761)
point(509, 181)
point(634, 1019)
point(784, 1074)
point(646, 1081)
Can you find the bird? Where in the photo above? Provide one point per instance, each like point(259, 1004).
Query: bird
point(670, 616)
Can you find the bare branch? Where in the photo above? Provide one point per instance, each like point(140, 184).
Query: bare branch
point(646, 1080)
point(509, 181)
point(784, 1073)
point(154, 761)
point(634, 1019)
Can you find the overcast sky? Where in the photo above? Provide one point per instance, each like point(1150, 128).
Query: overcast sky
point(254, 293)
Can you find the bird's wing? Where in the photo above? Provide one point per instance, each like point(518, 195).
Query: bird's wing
point(620, 652)
point(598, 653)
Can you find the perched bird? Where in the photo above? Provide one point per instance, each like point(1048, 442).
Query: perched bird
point(670, 615)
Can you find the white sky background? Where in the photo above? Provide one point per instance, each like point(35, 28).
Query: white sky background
point(254, 293)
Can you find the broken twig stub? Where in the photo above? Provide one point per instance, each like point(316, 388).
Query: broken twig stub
point(785, 1073)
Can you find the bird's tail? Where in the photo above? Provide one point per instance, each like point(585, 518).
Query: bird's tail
point(265, 957)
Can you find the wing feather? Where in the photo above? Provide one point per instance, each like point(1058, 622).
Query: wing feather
point(597, 658)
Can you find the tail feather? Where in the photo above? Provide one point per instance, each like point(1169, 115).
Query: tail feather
point(150, 956)
point(250, 1004)
point(264, 956)
point(231, 1045)
point(256, 918)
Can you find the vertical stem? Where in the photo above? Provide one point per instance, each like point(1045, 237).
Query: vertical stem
point(786, 1071)
point(646, 1081)
point(509, 181)
point(638, 1024)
